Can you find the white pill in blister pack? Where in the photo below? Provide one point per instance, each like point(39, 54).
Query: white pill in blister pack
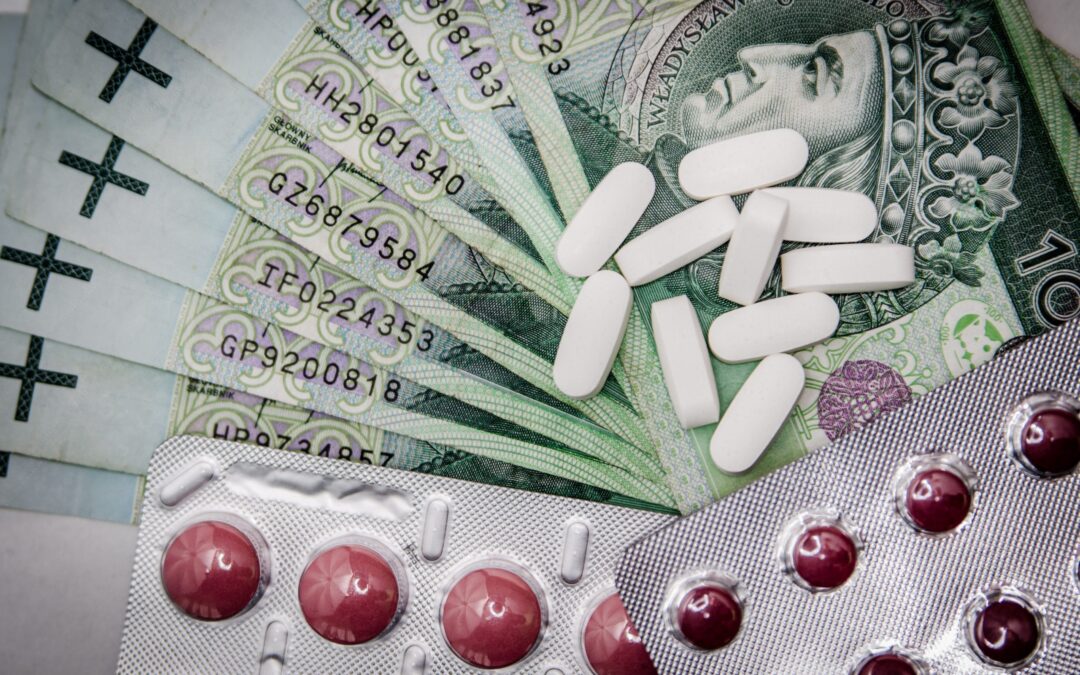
point(605, 219)
point(755, 243)
point(824, 216)
point(847, 268)
point(677, 241)
point(743, 163)
point(684, 361)
point(756, 413)
point(592, 335)
point(773, 326)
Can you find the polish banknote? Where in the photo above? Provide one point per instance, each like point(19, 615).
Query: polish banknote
point(227, 138)
point(942, 115)
point(302, 92)
point(412, 44)
point(47, 193)
point(223, 253)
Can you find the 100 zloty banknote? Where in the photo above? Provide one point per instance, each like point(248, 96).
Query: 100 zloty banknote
point(945, 120)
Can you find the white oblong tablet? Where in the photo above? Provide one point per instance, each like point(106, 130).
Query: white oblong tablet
point(592, 335)
point(755, 243)
point(575, 550)
point(605, 219)
point(756, 413)
point(743, 163)
point(773, 326)
point(825, 216)
point(684, 360)
point(433, 538)
point(847, 268)
point(677, 241)
point(184, 485)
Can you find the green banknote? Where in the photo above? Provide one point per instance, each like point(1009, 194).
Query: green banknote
point(296, 78)
point(368, 32)
point(951, 121)
point(221, 252)
point(305, 74)
point(454, 49)
point(115, 309)
point(452, 44)
point(298, 68)
point(228, 139)
point(64, 458)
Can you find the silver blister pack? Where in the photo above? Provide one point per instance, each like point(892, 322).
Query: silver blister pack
point(236, 534)
point(944, 538)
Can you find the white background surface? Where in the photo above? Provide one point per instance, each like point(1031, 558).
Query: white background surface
point(64, 581)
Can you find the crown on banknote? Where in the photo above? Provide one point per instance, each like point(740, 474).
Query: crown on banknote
point(951, 140)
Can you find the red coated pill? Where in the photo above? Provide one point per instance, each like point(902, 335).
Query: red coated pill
point(888, 664)
point(824, 557)
point(709, 616)
point(1050, 441)
point(349, 594)
point(1006, 632)
point(937, 500)
point(612, 645)
point(211, 571)
point(491, 618)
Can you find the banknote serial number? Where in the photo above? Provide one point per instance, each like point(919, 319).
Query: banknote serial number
point(386, 136)
point(479, 68)
point(310, 368)
point(329, 449)
point(549, 45)
point(300, 195)
point(344, 307)
point(372, 15)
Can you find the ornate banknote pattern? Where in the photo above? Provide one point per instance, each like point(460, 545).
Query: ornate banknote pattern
point(266, 275)
point(283, 176)
point(931, 115)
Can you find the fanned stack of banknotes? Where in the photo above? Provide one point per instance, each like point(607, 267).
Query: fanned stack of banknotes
point(329, 226)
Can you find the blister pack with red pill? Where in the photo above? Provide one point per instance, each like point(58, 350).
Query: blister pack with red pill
point(252, 559)
point(944, 538)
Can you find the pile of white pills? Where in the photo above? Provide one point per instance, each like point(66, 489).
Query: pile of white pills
point(764, 330)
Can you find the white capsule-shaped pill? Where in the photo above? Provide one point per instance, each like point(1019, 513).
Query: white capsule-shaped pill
point(575, 551)
point(605, 219)
point(433, 537)
point(684, 361)
point(825, 216)
point(773, 326)
point(592, 335)
point(184, 485)
point(751, 253)
point(743, 163)
point(756, 413)
point(847, 268)
point(677, 241)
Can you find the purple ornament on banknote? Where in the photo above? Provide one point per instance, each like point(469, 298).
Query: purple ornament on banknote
point(858, 392)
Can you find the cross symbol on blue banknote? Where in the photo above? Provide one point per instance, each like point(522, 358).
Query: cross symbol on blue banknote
point(103, 174)
point(31, 374)
point(46, 264)
point(128, 60)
